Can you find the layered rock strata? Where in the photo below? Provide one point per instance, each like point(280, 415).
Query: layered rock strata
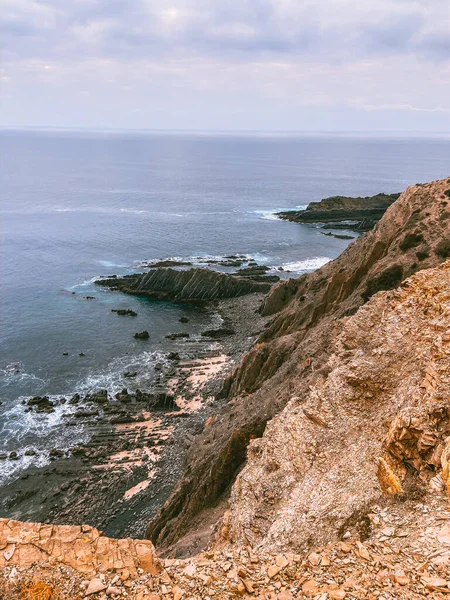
point(187, 286)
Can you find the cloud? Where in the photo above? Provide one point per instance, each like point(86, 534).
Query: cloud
point(242, 30)
point(386, 54)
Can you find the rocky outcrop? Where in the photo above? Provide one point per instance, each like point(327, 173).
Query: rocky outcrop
point(336, 209)
point(190, 286)
point(398, 553)
point(83, 548)
point(294, 350)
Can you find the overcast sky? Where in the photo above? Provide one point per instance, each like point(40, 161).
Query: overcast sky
point(226, 64)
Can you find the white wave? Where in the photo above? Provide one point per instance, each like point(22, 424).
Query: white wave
point(109, 263)
point(20, 430)
point(112, 377)
point(199, 260)
point(11, 469)
point(271, 215)
point(97, 210)
point(134, 211)
point(309, 264)
point(85, 283)
point(15, 374)
point(46, 430)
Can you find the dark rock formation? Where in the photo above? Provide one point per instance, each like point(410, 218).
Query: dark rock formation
point(166, 263)
point(293, 351)
point(339, 236)
point(124, 312)
point(366, 211)
point(175, 336)
point(193, 285)
point(41, 404)
point(257, 273)
point(143, 335)
point(99, 397)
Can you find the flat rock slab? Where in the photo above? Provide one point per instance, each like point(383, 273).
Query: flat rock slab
point(83, 548)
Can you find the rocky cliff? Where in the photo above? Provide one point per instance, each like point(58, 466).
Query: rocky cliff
point(365, 211)
point(343, 495)
point(376, 419)
point(294, 353)
point(189, 286)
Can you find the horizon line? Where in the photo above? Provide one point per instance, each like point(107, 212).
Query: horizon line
point(292, 132)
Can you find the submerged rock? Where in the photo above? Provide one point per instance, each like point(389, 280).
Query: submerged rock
point(124, 312)
point(130, 374)
point(143, 335)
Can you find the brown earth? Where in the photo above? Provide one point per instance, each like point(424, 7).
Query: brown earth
point(402, 553)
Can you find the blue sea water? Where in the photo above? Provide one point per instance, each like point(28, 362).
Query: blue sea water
point(75, 206)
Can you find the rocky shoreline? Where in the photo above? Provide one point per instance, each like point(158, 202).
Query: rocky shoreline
point(138, 440)
point(343, 212)
point(326, 471)
point(192, 286)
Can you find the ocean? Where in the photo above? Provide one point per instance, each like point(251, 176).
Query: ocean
point(78, 205)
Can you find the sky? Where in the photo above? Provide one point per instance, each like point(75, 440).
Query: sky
point(252, 65)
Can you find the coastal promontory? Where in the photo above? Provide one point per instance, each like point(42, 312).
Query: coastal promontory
point(363, 212)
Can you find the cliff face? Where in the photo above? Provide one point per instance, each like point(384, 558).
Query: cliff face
point(293, 353)
point(367, 211)
point(317, 469)
point(411, 236)
point(192, 285)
